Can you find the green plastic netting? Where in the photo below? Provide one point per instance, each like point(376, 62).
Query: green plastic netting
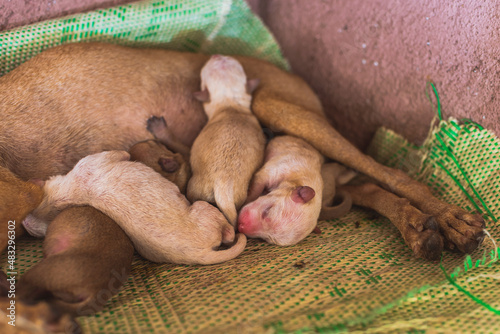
point(356, 276)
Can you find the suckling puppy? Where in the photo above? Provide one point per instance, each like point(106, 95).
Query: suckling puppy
point(230, 148)
point(87, 258)
point(159, 220)
point(284, 199)
point(172, 166)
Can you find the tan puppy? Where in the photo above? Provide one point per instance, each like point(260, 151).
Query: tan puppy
point(152, 153)
point(230, 147)
point(290, 189)
point(17, 200)
point(161, 223)
point(87, 258)
point(107, 108)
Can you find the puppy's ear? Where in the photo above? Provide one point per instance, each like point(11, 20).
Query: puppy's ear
point(252, 85)
point(202, 96)
point(168, 165)
point(303, 194)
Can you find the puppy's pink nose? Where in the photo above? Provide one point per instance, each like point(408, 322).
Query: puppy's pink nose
point(245, 223)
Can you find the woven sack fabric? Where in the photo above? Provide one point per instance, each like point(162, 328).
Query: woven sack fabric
point(209, 26)
point(356, 276)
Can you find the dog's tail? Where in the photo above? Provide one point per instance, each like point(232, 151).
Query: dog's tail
point(218, 256)
point(339, 210)
point(334, 175)
point(224, 198)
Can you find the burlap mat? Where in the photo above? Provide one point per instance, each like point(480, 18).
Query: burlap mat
point(356, 276)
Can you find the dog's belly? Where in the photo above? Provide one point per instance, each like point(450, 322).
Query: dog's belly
point(50, 119)
point(54, 149)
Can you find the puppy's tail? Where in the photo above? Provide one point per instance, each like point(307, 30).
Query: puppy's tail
point(339, 210)
point(224, 198)
point(218, 256)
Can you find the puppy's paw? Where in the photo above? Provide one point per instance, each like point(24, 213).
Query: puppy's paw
point(156, 125)
point(35, 226)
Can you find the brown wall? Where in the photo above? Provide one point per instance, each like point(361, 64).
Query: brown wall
point(368, 60)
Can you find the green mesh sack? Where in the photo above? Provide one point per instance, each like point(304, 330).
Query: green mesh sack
point(357, 276)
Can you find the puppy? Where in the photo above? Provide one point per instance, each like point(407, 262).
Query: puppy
point(152, 153)
point(161, 223)
point(87, 258)
point(17, 198)
point(172, 166)
point(284, 199)
point(230, 147)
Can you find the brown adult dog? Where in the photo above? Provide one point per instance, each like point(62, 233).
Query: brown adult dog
point(103, 94)
point(17, 200)
point(335, 175)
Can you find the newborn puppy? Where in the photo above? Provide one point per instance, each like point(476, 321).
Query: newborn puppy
point(290, 189)
point(172, 166)
point(230, 148)
point(18, 199)
point(161, 223)
point(87, 258)
point(152, 153)
point(158, 127)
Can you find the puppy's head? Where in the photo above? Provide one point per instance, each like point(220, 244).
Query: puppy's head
point(171, 166)
point(223, 82)
point(284, 216)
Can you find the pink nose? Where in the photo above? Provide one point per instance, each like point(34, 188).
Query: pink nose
point(245, 222)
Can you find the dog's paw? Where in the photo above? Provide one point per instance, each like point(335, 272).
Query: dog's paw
point(462, 230)
point(420, 232)
point(155, 125)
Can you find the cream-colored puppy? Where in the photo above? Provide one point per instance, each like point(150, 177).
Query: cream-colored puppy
point(230, 148)
point(162, 224)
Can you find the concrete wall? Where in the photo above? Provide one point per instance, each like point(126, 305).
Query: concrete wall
point(368, 60)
